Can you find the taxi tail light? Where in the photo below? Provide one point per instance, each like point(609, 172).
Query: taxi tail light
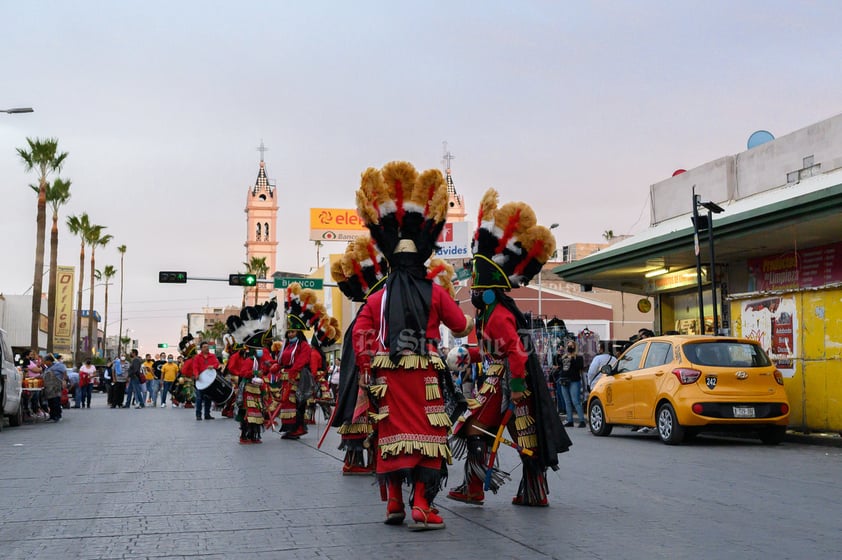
point(784, 408)
point(779, 377)
point(686, 376)
point(698, 408)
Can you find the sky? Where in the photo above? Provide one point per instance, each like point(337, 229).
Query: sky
point(573, 107)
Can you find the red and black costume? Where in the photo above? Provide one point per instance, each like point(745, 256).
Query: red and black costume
point(251, 331)
point(509, 249)
point(359, 273)
point(396, 335)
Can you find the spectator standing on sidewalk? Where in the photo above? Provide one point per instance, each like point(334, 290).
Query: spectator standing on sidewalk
point(54, 382)
point(135, 377)
point(169, 372)
point(119, 376)
point(156, 375)
point(86, 375)
point(570, 366)
point(602, 358)
point(146, 379)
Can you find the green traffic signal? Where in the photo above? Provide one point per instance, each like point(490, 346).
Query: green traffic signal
point(242, 279)
point(172, 277)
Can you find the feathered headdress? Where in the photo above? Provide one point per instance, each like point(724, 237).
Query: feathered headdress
point(253, 326)
point(187, 346)
point(326, 329)
point(509, 246)
point(441, 272)
point(299, 307)
point(404, 211)
point(361, 270)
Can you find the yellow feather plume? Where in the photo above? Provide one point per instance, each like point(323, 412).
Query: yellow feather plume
point(488, 205)
point(369, 195)
point(336, 271)
point(525, 217)
point(403, 173)
point(535, 234)
point(432, 180)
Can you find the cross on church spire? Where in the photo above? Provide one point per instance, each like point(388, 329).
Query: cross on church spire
point(447, 158)
point(262, 149)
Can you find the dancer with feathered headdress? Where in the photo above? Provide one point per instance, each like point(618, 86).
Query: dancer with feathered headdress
point(326, 332)
point(396, 336)
point(509, 249)
point(294, 360)
point(360, 272)
point(249, 334)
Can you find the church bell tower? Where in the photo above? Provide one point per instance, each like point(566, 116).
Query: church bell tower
point(261, 232)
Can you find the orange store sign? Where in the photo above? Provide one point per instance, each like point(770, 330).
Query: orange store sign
point(336, 218)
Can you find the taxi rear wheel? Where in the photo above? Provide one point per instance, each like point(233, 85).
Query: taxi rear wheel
point(596, 420)
point(670, 430)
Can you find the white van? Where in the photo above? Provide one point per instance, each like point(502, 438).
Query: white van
point(10, 385)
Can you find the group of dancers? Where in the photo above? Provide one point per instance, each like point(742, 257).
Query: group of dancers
point(397, 411)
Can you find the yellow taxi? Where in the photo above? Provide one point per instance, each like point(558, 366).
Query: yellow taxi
point(682, 385)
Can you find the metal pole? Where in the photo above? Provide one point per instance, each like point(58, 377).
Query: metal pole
point(539, 295)
point(712, 273)
point(698, 261)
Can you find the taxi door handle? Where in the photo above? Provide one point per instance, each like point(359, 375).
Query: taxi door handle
point(627, 377)
point(659, 373)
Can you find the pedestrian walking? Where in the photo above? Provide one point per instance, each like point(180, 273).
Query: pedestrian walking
point(169, 373)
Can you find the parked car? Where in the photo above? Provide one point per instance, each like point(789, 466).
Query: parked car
point(10, 385)
point(683, 385)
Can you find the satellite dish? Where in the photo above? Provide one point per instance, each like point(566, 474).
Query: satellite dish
point(678, 172)
point(759, 137)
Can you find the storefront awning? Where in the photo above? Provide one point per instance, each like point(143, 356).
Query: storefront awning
point(793, 217)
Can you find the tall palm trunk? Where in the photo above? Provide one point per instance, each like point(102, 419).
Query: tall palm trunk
point(38, 278)
point(105, 321)
point(77, 346)
point(122, 250)
point(91, 319)
point(51, 295)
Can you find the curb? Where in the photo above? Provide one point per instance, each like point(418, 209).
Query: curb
point(816, 438)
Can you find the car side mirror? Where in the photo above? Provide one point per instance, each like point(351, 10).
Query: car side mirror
point(608, 368)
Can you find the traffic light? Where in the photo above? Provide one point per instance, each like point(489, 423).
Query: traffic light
point(242, 280)
point(170, 277)
point(163, 345)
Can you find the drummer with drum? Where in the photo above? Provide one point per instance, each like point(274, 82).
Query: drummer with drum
point(198, 365)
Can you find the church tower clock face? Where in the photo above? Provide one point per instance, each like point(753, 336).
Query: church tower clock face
point(261, 232)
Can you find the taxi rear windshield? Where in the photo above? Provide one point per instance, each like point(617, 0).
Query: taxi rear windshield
point(726, 354)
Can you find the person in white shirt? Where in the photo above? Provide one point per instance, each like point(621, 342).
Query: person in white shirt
point(594, 371)
point(86, 379)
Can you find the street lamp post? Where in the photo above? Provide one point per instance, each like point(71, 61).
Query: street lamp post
point(552, 227)
point(17, 110)
point(705, 222)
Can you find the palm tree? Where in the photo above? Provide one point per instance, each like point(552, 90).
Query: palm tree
point(57, 196)
point(608, 234)
point(81, 226)
point(95, 238)
point(122, 250)
point(108, 273)
point(213, 333)
point(42, 155)
point(258, 267)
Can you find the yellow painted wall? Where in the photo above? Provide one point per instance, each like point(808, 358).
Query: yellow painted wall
point(815, 391)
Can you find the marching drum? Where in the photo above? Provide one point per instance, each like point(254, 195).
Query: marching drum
point(214, 386)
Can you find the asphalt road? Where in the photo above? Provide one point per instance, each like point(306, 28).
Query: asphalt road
point(154, 483)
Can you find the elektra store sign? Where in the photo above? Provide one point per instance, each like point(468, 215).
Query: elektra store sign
point(455, 241)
